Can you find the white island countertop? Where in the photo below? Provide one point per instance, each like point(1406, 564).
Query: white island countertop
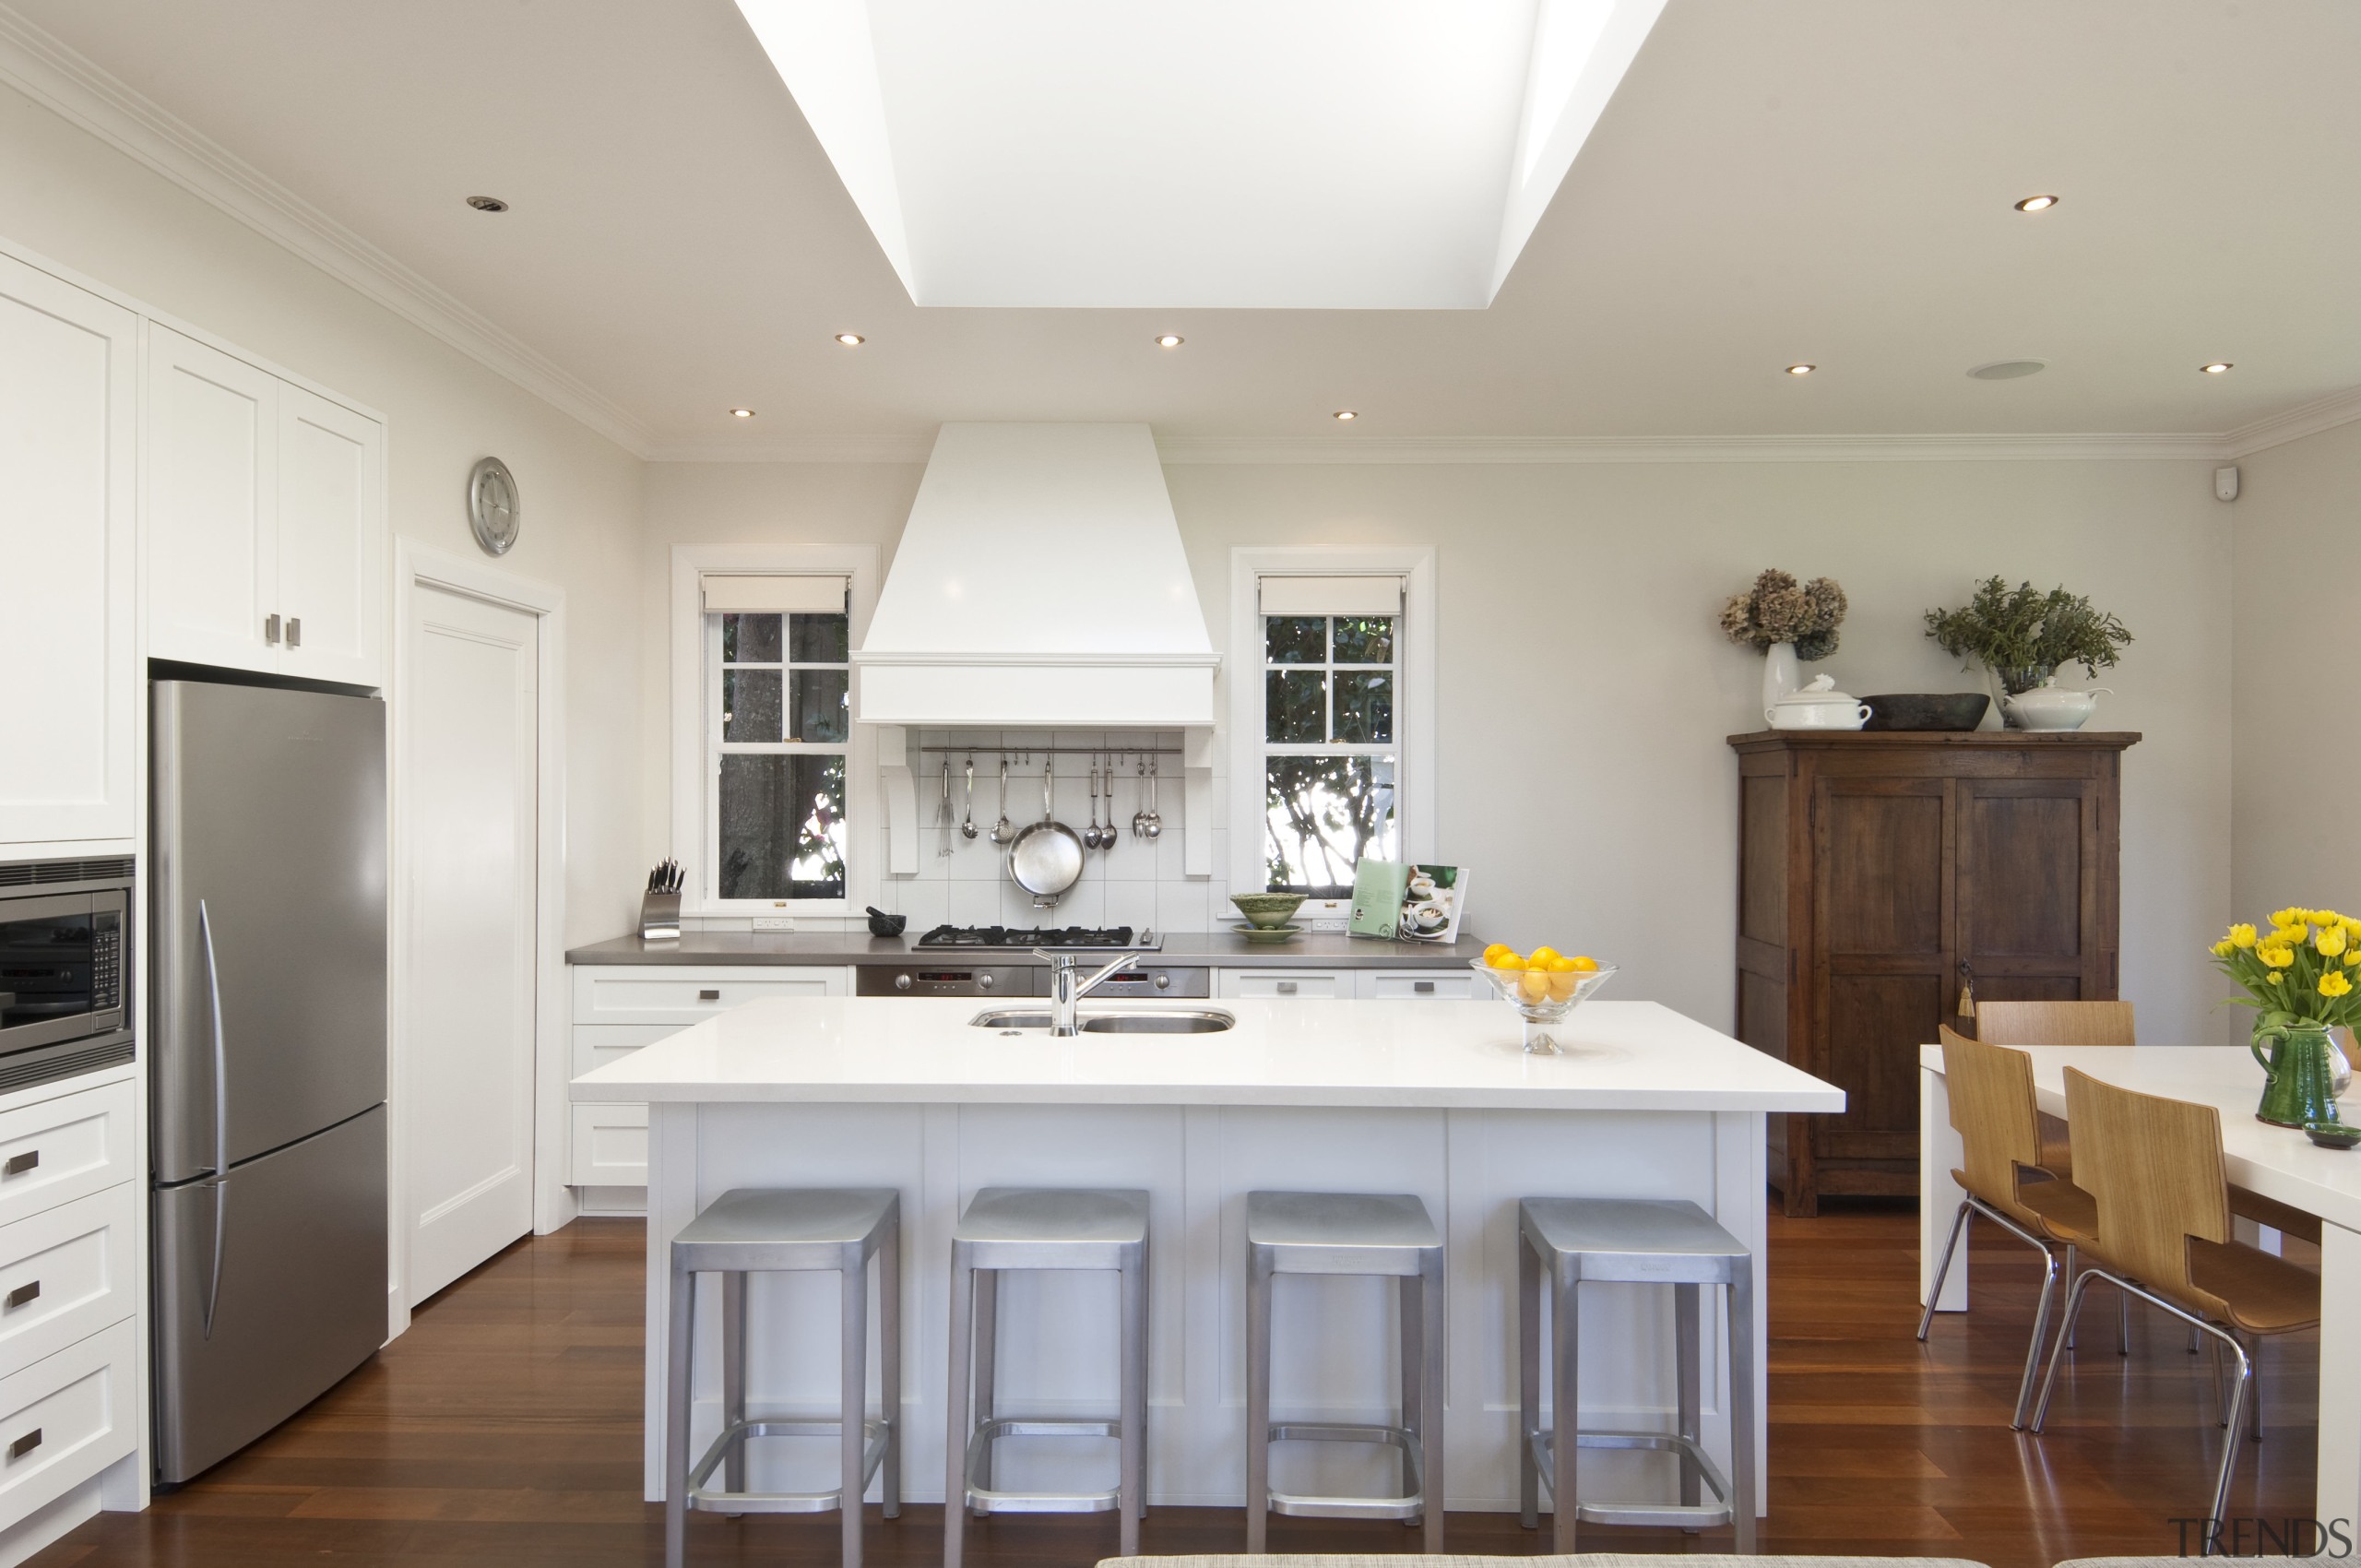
point(1452, 1055)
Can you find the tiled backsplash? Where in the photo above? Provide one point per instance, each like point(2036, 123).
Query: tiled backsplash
point(962, 881)
point(1138, 883)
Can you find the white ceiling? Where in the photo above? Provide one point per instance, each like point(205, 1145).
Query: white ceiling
point(1323, 154)
point(1814, 179)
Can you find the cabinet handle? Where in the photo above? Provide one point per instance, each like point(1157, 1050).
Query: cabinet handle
point(1424, 988)
point(18, 1164)
point(25, 1444)
point(23, 1293)
point(1286, 988)
point(708, 996)
point(294, 631)
point(270, 629)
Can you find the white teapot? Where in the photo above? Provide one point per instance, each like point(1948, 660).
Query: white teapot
point(1820, 705)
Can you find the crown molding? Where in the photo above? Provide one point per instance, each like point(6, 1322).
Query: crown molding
point(73, 87)
point(1686, 448)
point(798, 450)
point(2293, 424)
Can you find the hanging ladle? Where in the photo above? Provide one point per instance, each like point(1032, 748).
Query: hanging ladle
point(1003, 830)
point(1155, 823)
point(968, 823)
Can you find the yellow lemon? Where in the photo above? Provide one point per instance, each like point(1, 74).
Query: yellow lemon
point(1543, 955)
point(1562, 984)
point(1507, 961)
point(1585, 963)
point(1498, 951)
point(1535, 985)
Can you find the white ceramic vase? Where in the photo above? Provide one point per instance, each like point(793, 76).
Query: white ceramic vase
point(1781, 673)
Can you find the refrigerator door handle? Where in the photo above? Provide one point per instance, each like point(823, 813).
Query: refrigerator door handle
point(221, 1186)
point(220, 1062)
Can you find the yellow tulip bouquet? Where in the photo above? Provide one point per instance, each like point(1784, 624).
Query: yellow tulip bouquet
point(2301, 973)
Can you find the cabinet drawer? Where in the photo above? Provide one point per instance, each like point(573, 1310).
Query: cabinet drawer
point(66, 1273)
point(1328, 983)
point(68, 1417)
point(56, 1151)
point(595, 1045)
point(610, 1146)
point(680, 997)
point(1418, 985)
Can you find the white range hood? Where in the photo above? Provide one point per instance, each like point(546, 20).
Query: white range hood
point(1040, 584)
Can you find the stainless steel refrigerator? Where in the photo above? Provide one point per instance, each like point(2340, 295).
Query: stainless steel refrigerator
point(268, 1056)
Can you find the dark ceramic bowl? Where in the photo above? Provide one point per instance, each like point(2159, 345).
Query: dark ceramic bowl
point(1927, 710)
point(2333, 1134)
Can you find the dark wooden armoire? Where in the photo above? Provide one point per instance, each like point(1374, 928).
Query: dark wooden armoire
point(1872, 866)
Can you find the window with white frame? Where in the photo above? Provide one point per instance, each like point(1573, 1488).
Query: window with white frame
point(1337, 673)
point(778, 736)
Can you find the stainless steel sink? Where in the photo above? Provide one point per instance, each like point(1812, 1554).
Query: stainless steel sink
point(1193, 1021)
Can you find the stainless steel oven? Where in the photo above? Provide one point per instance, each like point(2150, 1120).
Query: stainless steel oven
point(64, 969)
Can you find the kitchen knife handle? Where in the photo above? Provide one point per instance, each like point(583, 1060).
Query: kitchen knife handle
point(18, 1164)
point(25, 1444)
point(29, 1291)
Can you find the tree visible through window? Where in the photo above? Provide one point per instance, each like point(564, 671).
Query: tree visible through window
point(1330, 686)
point(782, 716)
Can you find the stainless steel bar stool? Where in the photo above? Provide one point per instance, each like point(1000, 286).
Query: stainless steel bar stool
point(1008, 1227)
point(779, 1230)
point(1385, 1234)
point(1631, 1242)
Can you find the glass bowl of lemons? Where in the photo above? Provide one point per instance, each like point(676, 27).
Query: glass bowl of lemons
point(1543, 986)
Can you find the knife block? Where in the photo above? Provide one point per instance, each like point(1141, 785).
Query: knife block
point(659, 917)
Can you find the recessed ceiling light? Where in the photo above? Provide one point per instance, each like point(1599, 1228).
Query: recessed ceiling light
point(2007, 370)
point(851, 339)
point(1346, 414)
point(488, 204)
point(1169, 339)
point(2219, 367)
point(741, 413)
point(1801, 369)
point(2037, 204)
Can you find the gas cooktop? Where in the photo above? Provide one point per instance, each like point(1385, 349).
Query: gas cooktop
point(1022, 938)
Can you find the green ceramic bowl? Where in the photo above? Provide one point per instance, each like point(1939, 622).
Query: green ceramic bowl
point(1268, 910)
point(2333, 1134)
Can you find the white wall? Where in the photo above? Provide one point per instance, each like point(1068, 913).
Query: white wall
point(2295, 747)
point(1584, 690)
point(85, 206)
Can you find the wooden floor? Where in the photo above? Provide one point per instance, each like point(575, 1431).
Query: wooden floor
point(504, 1430)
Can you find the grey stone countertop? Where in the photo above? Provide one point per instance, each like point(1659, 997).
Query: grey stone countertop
point(1326, 950)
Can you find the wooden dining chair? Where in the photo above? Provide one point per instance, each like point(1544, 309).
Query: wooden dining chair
point(1992, 1107)
point(2054, 1023)
point(2153, 1168)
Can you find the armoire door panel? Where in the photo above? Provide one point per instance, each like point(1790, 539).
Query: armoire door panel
point(2027, 870)
point(1881, 868)
point(1763, 859)
point(1763, 1014)
point(1876, 1024)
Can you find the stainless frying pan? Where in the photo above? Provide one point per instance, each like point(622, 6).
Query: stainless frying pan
point(1046, 857)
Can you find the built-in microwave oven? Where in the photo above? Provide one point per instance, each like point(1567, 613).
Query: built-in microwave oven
point(65, 967)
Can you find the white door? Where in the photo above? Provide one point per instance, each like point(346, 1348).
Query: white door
point(212, 505)
point(468, 799)
point(68, 417)
point(330, 543)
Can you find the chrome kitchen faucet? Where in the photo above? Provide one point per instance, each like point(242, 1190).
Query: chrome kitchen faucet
point(1066, 991)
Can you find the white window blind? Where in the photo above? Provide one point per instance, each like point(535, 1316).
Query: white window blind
point(1331, 596)
point(802, 595)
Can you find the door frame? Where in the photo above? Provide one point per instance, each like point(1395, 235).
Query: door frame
point(416, 566)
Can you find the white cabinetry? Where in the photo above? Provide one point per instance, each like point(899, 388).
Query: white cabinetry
point(265, 520)
point(70, 416)
point(70, 1250)
point(619, 1007)
point(1338, 985)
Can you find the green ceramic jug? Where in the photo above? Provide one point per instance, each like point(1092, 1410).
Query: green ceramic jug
point(2301, 1085)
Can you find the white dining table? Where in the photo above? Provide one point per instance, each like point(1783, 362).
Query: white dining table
point(2278, 1162)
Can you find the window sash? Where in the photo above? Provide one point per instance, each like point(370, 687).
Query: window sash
point(716, 748)
point(1327, 598)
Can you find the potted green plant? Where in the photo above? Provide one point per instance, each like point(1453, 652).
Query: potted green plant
point(2022, 636)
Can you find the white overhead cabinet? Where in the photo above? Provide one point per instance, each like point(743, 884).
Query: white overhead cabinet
point(68, 489)
point(265, 520)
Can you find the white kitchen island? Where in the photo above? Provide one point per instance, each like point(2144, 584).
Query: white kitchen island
point(1430, 1098)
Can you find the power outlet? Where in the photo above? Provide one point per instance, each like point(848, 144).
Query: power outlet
point(774, 923)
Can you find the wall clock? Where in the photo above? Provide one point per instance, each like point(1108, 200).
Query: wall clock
point(494, 511)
